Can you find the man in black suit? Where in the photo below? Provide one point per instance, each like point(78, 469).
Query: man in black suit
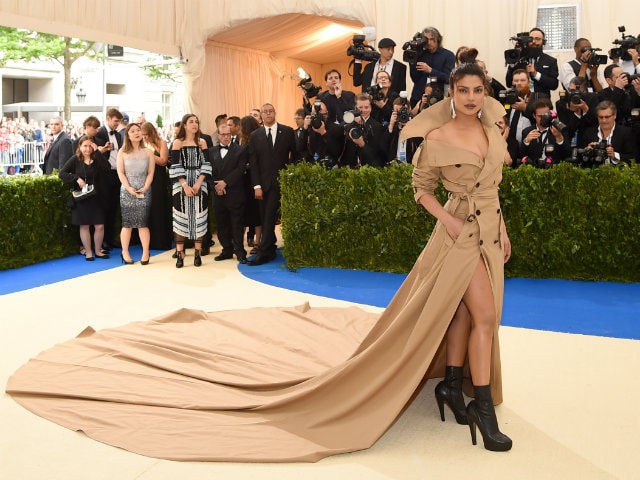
point(61, 148)
point(271, 148)
point(542, 68)
point(386, 63)
point(108, 136)
point(326, 139)
point(364, 142)
point(228, 196)
point(543, 145)
point(619, 139)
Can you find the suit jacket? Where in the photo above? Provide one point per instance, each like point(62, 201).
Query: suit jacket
point(337, 106)
point(374, 152)
point(364, 76)
point(547, 66)
point(58, 153)
point(231, 169)
point(622, 141)
point(102, 137)
point(534, 150)
point(266, 160)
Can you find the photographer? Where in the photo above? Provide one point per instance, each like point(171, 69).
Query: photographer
point(402, 150)
point(617, 91)
point(301, 133)
point(576, 108)
point(541, 68)
point(326, 140)
point(627, 56)
point(382, 94)
point(609, 142)
point(585, 65)
point(434, 62)
point(337, 100)
point(397, 70)
point(517, 108)
point(543, 144)
point(363, 144)
point(432, 94)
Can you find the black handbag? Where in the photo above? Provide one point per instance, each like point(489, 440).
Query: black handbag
point(86, 192)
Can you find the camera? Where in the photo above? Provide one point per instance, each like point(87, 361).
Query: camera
point(375, 91)
point(594, 59)
point(575, 97)
point(595, 155)
point(310, 90)
point(404, 115)
point(350, 127)
point(316, 116)
point(632, 77)
point(359, 51)
point(413, 48)
point(509, 96)
point(626, 42)
point(519, 54)
point(551, 119)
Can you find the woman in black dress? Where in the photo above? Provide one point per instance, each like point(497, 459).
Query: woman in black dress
point(85, 168)
point(160, 219)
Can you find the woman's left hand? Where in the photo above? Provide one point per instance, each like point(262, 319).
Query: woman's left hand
point(506, 246)
point(196, 188)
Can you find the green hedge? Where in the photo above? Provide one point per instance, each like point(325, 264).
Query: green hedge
point(35, 221)
point(563, 222)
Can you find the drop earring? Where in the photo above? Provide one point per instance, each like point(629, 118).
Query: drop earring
point(480, 113)
point(453, 109)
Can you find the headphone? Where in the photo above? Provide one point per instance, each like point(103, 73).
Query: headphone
point(544, 37)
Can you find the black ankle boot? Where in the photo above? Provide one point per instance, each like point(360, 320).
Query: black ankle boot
point(481, 412)
point(179, 259)
point(449, 391)
point(197, 261)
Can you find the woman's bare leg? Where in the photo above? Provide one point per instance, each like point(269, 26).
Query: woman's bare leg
point(458, 336)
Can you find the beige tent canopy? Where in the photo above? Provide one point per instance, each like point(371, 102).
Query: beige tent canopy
point(242, 53)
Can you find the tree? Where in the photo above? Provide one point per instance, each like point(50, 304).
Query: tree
point(27, 46)
point(162, 68)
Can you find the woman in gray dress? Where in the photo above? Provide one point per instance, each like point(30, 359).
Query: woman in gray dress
point(135, 166)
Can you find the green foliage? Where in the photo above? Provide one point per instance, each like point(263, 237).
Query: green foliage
point(159, 121)
point(35, 222)
point(563, 223)
point(26, 45)
point(164, 68)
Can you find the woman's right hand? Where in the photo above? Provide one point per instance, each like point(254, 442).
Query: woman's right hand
point(454, 227)
point(188, 191)
point(81, 183)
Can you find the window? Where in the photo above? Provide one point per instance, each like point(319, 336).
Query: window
point(560, 25)
point(166, 110)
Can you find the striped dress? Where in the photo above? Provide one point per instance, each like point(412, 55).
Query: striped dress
point(190, 214)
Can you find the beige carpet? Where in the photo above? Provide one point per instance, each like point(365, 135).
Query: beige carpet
point(570, 400)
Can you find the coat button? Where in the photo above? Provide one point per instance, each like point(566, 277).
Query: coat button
point(496, 241)
point(458, 165)
point(471, 234)
point(477, 212)
point(478, 184)
point(481, 242)
point(498, 211)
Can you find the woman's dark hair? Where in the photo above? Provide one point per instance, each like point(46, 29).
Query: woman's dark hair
point(82, 139)
point(182, 133)
point(247, 125)
point(465, 69)
point(468, 56)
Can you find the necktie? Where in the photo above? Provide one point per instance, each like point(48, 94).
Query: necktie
point(269, 137)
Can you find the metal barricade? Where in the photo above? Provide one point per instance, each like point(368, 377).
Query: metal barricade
point(21, 157)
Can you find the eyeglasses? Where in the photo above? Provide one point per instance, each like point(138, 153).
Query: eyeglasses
point(224, 134)
point(267, 112)
point(604, 117)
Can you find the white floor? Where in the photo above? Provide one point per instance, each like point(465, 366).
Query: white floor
point(570, 400)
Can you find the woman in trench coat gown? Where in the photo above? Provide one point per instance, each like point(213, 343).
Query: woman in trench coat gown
point(302, 383)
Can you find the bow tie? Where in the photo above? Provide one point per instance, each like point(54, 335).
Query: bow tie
point(224, 146)
point(113, 132)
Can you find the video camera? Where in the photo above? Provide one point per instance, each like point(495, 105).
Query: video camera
point(508, 96)
point(594, 59)
point(519, 54)
point(375, 91)
point(413, 48)
point(626, 42)
point(359, 51)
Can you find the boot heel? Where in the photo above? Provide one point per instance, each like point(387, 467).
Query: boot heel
point(472, 429)
point(197, 261)
point(440, 403)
